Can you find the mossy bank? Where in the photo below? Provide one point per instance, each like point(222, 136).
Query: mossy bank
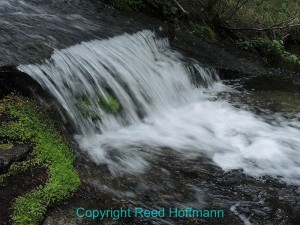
point(28, 123)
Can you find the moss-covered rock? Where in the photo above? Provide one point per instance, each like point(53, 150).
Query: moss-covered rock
point(51, 151)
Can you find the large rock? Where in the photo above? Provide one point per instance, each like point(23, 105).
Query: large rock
point(13, 80)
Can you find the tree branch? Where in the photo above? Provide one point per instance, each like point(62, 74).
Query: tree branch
point(288, 21)
point(238, 6)
point(180, 7)
point(265, 29)
point(288, 24)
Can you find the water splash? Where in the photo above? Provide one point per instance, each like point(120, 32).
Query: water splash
point(161, 108)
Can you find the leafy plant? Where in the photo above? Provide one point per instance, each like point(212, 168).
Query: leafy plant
point(168, 9)
point(272, 50)
point(246, 45)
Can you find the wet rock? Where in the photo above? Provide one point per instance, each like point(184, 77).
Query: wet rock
point(11, 80)
point(16, 154)
point(230, 61)
point(17, 185)
point(193, 183)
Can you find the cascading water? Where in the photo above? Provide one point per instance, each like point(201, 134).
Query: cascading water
point(161, 107)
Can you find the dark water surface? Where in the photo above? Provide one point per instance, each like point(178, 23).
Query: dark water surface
point(32, 29)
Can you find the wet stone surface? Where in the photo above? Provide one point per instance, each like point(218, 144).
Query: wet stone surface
point(268, 94)
point(18, 185)
point(15, 154)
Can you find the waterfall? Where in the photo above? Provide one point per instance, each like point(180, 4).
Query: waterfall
point(132, 96)
point(140, 71)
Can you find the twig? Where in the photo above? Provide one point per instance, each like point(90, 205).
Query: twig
point(179, 6)
point(289, 21)
point(288, 24)
point(265, 29)
point(238, 6)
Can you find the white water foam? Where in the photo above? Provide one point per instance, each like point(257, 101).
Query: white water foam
point(151, 80)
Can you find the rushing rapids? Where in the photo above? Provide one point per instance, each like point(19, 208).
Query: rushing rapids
point(162, 106)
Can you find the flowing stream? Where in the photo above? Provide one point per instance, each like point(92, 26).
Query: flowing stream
point(153, 127)
point(161, 106)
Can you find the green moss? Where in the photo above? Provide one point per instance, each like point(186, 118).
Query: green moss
point(51, 151)
point(6, 146)
point(204, 31)
point(14, 169)
point(109, 103)
point(85, 107)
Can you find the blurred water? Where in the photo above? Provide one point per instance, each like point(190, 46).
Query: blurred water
point(162, 107)
point(30, 30)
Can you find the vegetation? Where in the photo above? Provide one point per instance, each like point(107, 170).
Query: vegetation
point(51, 151)
point(107, 103)
point(162, 7)
point(272, 50)
point(15, 168)
point(6, 146)
point(268, 24)
point(252, 12)
point(203, 31)
point(85, 106)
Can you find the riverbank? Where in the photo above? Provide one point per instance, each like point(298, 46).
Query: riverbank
point(268, 29)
